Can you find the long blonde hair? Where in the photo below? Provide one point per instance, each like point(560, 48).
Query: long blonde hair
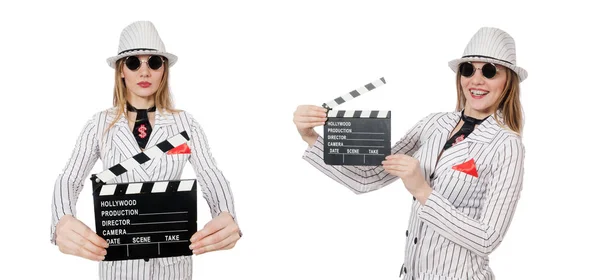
point(162, 97)
point(509, 103)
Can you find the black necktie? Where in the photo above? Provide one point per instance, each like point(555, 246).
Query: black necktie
point(466, 129)
point(142, 127)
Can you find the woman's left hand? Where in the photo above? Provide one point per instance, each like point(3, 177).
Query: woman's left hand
point(409, 170)
point(221, 233)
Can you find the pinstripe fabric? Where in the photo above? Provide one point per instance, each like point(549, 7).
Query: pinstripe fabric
point(140, 38)
point(117, 145)
point(491, 45)
point(465, 217)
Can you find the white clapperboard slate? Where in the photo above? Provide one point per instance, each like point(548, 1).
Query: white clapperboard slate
point(356, 137)
point(145, 220)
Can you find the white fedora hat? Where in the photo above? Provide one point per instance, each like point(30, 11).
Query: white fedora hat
point(491, 45)
point(140, 38)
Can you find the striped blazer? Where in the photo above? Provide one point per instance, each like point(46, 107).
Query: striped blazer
point(466, 216)
point(119, 144)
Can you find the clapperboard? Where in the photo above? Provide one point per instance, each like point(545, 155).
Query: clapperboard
point(145, 219)
point(356, 137)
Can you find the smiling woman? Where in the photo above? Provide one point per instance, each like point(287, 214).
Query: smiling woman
point(142, 116)
point(464, 169)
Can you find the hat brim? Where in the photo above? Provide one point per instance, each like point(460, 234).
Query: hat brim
point(522, 73)
point(170, 57)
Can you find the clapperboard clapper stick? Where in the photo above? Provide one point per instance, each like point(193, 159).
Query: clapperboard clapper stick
point(144, 220)
point(356, 137)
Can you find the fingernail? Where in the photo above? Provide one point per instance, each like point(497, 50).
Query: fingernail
point(191, 247)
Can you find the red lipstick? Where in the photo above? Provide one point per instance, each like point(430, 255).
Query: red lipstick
point(144, 84)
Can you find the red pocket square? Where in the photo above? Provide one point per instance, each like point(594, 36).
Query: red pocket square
point(181, 149)
point(467, 167)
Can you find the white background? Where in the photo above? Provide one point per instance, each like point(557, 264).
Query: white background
point(243, 68)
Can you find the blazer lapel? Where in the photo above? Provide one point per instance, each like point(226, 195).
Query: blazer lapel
point(485, 132)
point(123, 139)
point(162, 124)
point(125, 142)
point(164, 127)
point(454, 155)
point(435, 143)
point(460, 153)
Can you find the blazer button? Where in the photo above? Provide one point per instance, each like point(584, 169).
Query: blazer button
point(415, 240)
point(407, 233)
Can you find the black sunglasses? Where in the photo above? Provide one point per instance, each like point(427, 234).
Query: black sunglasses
point(488, 70)
point(154, 62)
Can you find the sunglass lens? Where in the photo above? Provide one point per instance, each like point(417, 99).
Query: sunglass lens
point(488, 70)
point(466, 69)
point(133, 63)
point(155, 62)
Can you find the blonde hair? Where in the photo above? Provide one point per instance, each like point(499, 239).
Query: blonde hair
point(509, 103)
point(162, 97)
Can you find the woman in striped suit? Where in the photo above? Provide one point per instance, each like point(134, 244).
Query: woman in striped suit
point(464, 169)
point(142, 116)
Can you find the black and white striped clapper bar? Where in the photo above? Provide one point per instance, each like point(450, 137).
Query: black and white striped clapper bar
point(357, 137)
point(145, 219)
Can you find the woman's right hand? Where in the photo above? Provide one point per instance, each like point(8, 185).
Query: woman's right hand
point(306, 118)
point(75, 238)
